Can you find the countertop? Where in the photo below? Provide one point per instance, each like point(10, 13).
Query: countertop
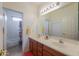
point(68, 47)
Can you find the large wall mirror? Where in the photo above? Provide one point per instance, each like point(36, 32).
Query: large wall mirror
point(64, 22)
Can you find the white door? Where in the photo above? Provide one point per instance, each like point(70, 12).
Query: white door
point(12, 25)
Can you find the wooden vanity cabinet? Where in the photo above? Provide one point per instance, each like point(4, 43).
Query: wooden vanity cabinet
point(39, 49)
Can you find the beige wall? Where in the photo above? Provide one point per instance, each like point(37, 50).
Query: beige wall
point(68, 15)
point(29, 18)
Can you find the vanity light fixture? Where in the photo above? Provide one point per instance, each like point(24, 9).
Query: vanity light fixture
point(51, 7)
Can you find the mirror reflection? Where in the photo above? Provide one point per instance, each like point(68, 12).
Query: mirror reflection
point(63, 22)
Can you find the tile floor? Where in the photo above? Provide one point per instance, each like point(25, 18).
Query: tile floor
point(15, 51)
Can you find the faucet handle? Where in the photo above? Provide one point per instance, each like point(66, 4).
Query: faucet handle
point(60, 41)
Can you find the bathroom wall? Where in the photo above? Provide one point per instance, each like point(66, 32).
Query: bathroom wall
point(29, 18)
point(64, 21)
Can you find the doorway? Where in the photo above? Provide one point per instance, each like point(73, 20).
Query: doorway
point(13, 30)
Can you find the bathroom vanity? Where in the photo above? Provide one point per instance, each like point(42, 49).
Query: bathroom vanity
point(40, 49)
point(53, 46)
point(62, 31)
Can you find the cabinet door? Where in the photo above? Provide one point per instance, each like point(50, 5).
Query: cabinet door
point(45, 53)
point(40, 49)
point(40, 53)
point(34, 45)
point(34, 50)
point(30, 45)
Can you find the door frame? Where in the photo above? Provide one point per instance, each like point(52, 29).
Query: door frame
point(5, 28)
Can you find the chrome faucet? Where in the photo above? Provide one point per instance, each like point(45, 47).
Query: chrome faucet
point(60, 41)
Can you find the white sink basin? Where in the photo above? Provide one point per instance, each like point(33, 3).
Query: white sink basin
point(58, 43)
